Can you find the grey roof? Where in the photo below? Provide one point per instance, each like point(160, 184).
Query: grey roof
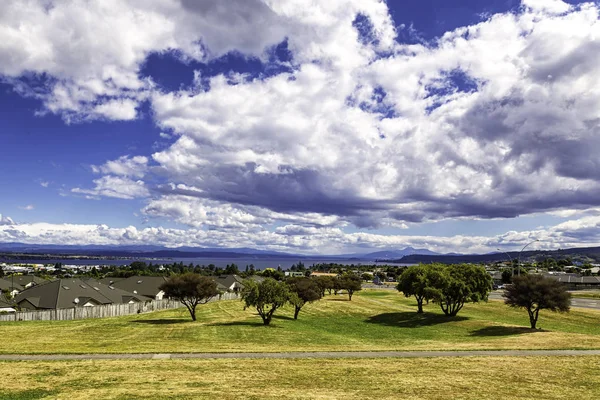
point(569, 278)
point(62, 294)
point(115, 294)
point(144, 285)
point(7, 285)
point(24, 280)
point(5, 304)
point(229, 280)
point(109, 281)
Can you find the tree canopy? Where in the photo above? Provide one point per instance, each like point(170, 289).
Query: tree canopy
point(190, 289)
point(302, 291)
point(266, 296)
point(535, 293)
point(454, 285)
point(416, 281)
point(350, 283)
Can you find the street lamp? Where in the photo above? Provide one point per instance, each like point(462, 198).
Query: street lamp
point(519, 263)
point(511, 261)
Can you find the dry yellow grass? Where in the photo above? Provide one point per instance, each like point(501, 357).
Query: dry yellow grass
point(424, 378)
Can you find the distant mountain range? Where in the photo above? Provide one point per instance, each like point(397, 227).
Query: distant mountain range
point(582, 254)
point(150, 251)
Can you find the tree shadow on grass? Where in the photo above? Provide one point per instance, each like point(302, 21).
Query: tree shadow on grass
point(162, 321)
point(342, 299)
point(504, 331)
point(412, 319)
point(285, 317)
point(243, 323)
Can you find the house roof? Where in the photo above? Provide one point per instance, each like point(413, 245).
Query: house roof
point(109, 281)
point(7, 285)
point(570, 278)
point(143, 285)
point(24, 280)
point(67, 293)
point(115, 294)
point(229, 281)
point(5, 304)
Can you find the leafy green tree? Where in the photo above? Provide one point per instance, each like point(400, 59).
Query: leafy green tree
point(326, 283)
point(535, 293)
point(350, 283)
point(302, 291)
point(267, 296)
point(415, 281)
point(366, 276)
point(190, 290)
point(272, 273)
point(455, 285)
point(506, 275)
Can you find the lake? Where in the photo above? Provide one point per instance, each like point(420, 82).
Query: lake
point(259, 263)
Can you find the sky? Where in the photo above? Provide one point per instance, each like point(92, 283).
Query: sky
point(301, 126)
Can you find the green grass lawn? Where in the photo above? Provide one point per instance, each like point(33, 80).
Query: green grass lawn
point(476, 378)
point(373, 320)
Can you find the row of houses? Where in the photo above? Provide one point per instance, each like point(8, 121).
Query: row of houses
point(33, 293)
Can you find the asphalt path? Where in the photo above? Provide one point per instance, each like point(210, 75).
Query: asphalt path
point(301, 355)
point(593, 304)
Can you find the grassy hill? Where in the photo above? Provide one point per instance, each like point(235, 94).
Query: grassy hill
point(373, 320)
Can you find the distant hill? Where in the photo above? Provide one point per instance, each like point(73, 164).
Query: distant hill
point(148, 251)
point(576, 253)
point(390, 254)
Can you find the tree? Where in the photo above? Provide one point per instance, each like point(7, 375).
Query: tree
point(455, 285)
point(415, 281)
point(267, 296)
point(190, 289)
point(302, 291)
point(535, 293)
point(506, 275)
point(325, 283)
point(350, 283)
point(1, 273)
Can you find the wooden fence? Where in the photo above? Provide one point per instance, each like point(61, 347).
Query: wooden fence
point(104, 311)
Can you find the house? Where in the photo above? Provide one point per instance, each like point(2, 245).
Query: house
point(26, 281)
point(294, 274)
point(573, 281)
point(6, 307)
point(9, 287)
point(69, 293)
point(231, 283)
point(148, 286)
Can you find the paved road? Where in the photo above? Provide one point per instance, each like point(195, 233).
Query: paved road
point(575, 302)
point(297, 355)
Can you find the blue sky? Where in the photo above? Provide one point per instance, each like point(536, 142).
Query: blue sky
point(349, 126)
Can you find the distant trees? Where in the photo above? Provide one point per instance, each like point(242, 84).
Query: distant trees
point(302, 291)
point(415, 281)
point(1, 273)
point(266, 296)
point(190, 289)
point(350, 283)
point(535, 293)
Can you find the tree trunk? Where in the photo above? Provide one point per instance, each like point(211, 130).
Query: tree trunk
point(533, 317)
point(419, 305)
point(350, 293)
point(296, 312)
